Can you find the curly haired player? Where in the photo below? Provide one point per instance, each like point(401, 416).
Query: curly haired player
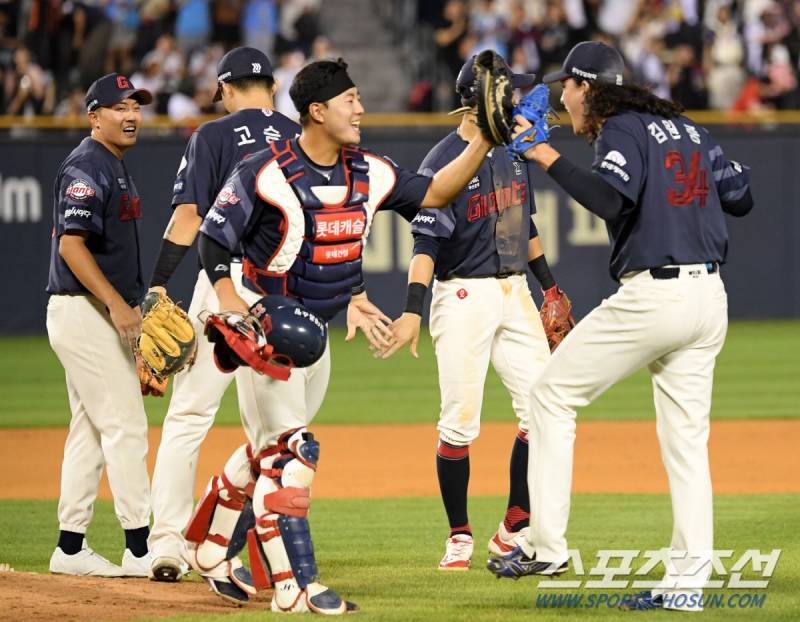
point(663, 185)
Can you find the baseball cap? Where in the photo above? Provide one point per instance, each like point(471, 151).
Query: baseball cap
point(112, 89)
point(466, 79)
point(243, 62)
point(593, 61)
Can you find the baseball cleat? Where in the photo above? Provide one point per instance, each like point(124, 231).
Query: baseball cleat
point(167, 569)
point(517, 564)
point(228, 591)
point(504, 541)
point(85, 563)
point(458, 552)
point(643, 601)
point(134, 566)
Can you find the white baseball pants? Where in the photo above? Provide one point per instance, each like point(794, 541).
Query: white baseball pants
point(196, 395)
point(108, 426)
point(676, 328)
point(472, 322)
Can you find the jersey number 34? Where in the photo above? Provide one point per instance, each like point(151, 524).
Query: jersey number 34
point(692, 184)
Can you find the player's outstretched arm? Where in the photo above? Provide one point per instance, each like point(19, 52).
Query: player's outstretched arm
point(406, 328)
point(178, 238)
point(451, 179)
point(126, 319)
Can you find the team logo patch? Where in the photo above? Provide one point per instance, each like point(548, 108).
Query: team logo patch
point(227, 196)
point(79, 190)
point(614, 162)
point(462, 293)
point(474, 183)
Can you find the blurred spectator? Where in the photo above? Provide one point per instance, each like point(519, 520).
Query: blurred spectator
point(192, 25)
point(449, 35)
point(73, 106)
point(226, 17)
point(321, 49)
point(489, 29)
point(260, 25)
point(124, 19)
point(182, 104)
point(686, 79)
point(29, 90)
point(725, 52)
point(288, 66)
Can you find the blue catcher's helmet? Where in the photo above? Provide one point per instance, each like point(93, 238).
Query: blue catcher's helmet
point(295, 333)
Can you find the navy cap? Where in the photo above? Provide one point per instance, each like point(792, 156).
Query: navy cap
point(466, 79)
point(112, 89)
point(242, 62)
point(592, 61)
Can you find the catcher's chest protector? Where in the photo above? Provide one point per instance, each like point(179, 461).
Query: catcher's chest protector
point(324, 230)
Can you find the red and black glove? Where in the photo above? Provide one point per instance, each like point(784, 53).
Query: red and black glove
point(556, 314)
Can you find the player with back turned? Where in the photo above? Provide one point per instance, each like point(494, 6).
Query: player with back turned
point(479, 248)
point(663, 185)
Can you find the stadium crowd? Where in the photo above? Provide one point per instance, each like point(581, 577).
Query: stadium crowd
point(718, 54)
point(51, 50)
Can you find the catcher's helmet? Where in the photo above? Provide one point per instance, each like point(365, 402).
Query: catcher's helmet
point(592, 61)
point(295, 333)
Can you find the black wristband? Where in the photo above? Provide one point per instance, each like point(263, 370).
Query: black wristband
point(415, 298)
point(542, 272)
point(169, 256)
point(216, 259)
point(358, 289)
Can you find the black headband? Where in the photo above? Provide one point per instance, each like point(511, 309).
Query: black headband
point(340, 82)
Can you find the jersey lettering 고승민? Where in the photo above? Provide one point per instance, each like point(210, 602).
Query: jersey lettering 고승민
point(94, 193)
point(485, 230)
point(218, 146)
point(675, 180)
point(294, 247)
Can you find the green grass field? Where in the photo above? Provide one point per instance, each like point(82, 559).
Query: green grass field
point(383, 554)
point(756, 378)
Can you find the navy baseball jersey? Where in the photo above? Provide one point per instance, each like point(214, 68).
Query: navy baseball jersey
point(218, 146)
point(485, 230)
point(675, 179)
point(94, 193)
point(292, 243)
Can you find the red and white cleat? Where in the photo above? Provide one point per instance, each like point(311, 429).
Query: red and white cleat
point(458, 552)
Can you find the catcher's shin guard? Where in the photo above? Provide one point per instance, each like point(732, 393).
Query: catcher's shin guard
point(281, 550)
point(211, 528)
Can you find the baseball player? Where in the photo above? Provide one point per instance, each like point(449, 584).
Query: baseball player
point(481, 311)
point(301, 211)
point(246, 88)
point(93, 321)
point(662, 184)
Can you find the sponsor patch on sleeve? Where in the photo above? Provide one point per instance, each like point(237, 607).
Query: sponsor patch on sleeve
point(79, 190)
point(615, 162)
point(227, 196)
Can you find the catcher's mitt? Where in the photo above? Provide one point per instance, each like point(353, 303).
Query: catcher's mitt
point(556, 314)
point(535, 107)
point(167, 345)
point(494, 93)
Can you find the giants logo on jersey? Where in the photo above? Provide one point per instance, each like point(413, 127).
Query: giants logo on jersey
point(79, 190)
point(481, 205)
point(227, 196)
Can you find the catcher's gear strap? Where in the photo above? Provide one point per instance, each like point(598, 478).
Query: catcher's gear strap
point(240, 340)
point(214, 520)
point(587, 188)
point(282, 499)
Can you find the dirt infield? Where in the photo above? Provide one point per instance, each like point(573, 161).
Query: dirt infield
point(373, 461)
point(89, 599)
point(386, 461)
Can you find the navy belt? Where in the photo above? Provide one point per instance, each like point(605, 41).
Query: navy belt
point(675, 272)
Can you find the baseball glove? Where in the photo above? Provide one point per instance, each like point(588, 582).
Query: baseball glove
point(167, 345)
point(535, 107)
point(494, 93)
point(556, 314)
